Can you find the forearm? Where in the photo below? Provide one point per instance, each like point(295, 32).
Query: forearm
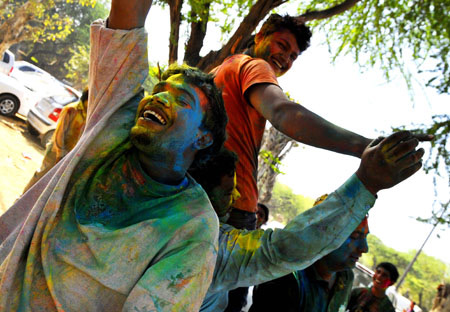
point(118, 67)
point(128, 14)
point(250, 258)
point(306, 127)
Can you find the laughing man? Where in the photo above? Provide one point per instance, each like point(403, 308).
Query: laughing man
point(117, 225)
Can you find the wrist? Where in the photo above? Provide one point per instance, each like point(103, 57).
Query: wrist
point(372, 189)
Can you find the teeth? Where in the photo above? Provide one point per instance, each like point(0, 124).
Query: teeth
point(148, 113)
point(278, 64)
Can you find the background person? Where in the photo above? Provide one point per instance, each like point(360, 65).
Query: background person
point(324, 286)
point(374, 299)
point(68, 131)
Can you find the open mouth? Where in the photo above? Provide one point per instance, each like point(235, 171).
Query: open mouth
point(151, 115)
point(278, 64)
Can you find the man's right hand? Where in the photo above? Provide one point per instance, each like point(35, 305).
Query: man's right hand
point(388, 161)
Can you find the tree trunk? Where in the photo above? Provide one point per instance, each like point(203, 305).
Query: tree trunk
point(257, 12)
point(198, 33)
point(14, 30)
point(278, 145)
point(175, 21)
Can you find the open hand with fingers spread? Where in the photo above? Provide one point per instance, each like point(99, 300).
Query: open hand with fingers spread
point(388, 161)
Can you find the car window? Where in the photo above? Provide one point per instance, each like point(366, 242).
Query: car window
point(6, 57)
point(64, 98)
point(27, 69)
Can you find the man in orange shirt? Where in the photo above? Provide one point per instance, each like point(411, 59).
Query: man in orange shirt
point(252, 96)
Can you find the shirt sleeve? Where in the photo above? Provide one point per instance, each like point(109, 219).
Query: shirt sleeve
point(248, 258)
point(117, 70)
point(255, 71)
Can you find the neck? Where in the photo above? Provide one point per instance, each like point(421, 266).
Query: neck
point(377, 292)
point(323, 270)
point(250, 51)
point(167, 169)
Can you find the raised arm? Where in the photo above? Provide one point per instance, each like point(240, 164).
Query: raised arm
point(128, 14)
point(302, 125)
point(249, 258)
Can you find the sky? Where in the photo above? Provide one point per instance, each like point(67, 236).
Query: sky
point(363, 103)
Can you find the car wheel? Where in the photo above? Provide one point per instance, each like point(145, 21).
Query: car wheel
point(9, 105)
point(46, 138)
point(31, 129)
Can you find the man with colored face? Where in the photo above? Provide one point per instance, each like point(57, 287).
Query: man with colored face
point(247, 258)
point(325, 286)
point(252, 96)
point(117, 224)
point(374, 299)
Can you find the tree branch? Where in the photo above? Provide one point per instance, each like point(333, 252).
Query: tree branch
point(175, 21)
point(240, 38)
point(257, 12)
point(327, 13)
point(197, 36)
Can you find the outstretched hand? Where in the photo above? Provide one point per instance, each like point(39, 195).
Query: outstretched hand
point(388, 161)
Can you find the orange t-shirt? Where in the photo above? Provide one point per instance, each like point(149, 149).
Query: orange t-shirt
point(246, 125)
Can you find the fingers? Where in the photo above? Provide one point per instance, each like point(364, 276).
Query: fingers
point(394, 139)
point(406, 173)
point(402, 149)
point(424, 137)
point(376, 141)
point(411, 158)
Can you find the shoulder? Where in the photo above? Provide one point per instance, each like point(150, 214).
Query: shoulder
point(239, 62)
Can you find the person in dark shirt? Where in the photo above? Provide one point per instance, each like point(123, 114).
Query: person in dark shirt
point(324, 286)
point(374, 299)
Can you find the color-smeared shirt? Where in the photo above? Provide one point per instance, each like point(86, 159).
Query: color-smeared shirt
point(304, 291)
point(246, 125)
point(362, 300)
point(247, 258)
point(96, 233)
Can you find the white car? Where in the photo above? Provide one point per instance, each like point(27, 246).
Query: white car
point(7, 62)
point(26, 85)
point(15, 97)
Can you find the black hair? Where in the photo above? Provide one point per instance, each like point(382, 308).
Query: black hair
point(393, 272)
point(215, 119)
point(210, 174)
point(276, 22)
point(266, 211)
point(85, 95)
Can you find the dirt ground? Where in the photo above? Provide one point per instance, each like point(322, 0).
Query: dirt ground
point(20, 156)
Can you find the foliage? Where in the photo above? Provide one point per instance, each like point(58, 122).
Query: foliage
point(273, 161)
point(438, 162)
point(285, 205)
point(421, 282)
point(66, 58)
point(390, 33)
point(35, 20)
point(78, 66)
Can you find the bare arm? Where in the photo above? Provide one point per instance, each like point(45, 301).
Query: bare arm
point(128, 14)
point(302, 125)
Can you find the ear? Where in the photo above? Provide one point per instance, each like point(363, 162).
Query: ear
point(258, 37)
point(203, 140)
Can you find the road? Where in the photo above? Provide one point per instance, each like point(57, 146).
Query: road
point(20, 156)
